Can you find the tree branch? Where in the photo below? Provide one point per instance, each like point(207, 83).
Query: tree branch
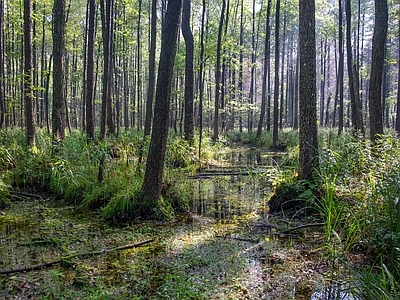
point(85, 254)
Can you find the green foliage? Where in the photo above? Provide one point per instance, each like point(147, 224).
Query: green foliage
point(4, 194)
point(377, 282)
point(180, 153)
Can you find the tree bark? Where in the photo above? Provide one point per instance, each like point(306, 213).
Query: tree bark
point(28, 75)
point(152, 69)
point(189, 71)
point(266, 70)
point(340, 72)
point(59, 84)
point(397, 125)
point(378, 54)
point(354, 113)
point(152, 184)
point(276, 86)
point(308, 146)
point(2, 98)
point(90, 71)
point(218, 74)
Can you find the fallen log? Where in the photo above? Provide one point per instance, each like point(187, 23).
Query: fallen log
point(78, 255)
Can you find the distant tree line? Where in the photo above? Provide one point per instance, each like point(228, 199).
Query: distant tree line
point(92, 64)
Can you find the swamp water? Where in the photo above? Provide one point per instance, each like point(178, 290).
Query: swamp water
point(225, 251)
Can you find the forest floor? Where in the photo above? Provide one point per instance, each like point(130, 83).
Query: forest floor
point(191, 257)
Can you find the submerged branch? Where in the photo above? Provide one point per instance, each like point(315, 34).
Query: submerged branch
point(299, 227)
point(65, 258)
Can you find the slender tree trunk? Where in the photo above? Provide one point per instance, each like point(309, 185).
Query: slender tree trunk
point(59, 85)
point(46, 95)
point(308, 147)
point(28, 75)
point(106, 102)
point(139, 66)
point(253, 67)
point(241, 59)
point(2, 92)
point(218, 74)
point(90, 109)
point(349, 50)
point(281, 104)
point(341, 71)
point(152, 69)
point(324, 43)
point(201, 78)
point(189, 71)
point(266, 70)
point(397, 125)
point(296, 93)
point(276, 86)
point(378, 55)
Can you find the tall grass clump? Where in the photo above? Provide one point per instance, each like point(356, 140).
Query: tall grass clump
point(366, 192)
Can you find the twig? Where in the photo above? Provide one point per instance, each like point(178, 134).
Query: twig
point(299, 227)
point(237, 239)
point(85, 254)
point(25, 195)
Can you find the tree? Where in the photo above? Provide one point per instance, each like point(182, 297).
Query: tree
point(90, 71)
point(218, 73)
point(189, 71)
point(106, 100)
point(354, 112)
point(266, 70)
point(152, 69)
point(59, 85)
point(308, 139)
point(2, 98)
point(378, 55)
point(339, 84)
point(397, 125)
point(276, 87)
point(152, 184)
point(28, 74)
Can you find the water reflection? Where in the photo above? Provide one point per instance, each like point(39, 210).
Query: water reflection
point(231, 191)
point(338, 292)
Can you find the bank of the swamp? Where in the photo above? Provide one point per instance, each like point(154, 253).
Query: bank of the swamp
point(193, 257)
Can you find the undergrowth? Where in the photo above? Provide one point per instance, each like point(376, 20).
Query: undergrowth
point(358, 190)
point(356, 193)
point(106, 174)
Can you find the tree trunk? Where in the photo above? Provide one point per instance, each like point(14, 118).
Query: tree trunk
point(28, 75)
point(152, 69)
point(152, 184)
point(201, 78)
point(266, 70)
point(189, 71)
point(90, 71)
point(354, 113)
point(139, 66)
point(59, 85)
point(2, 94)
point(253, 68)
point(397, 125)
point(218, 73)
point(308, 147)
point(106, 100)
point(241, 59)
point(378, 54)
point(282, 98)
point(341, 71)
point(276, 86)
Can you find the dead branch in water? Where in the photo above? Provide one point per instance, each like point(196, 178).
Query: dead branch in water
point(78, 255)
